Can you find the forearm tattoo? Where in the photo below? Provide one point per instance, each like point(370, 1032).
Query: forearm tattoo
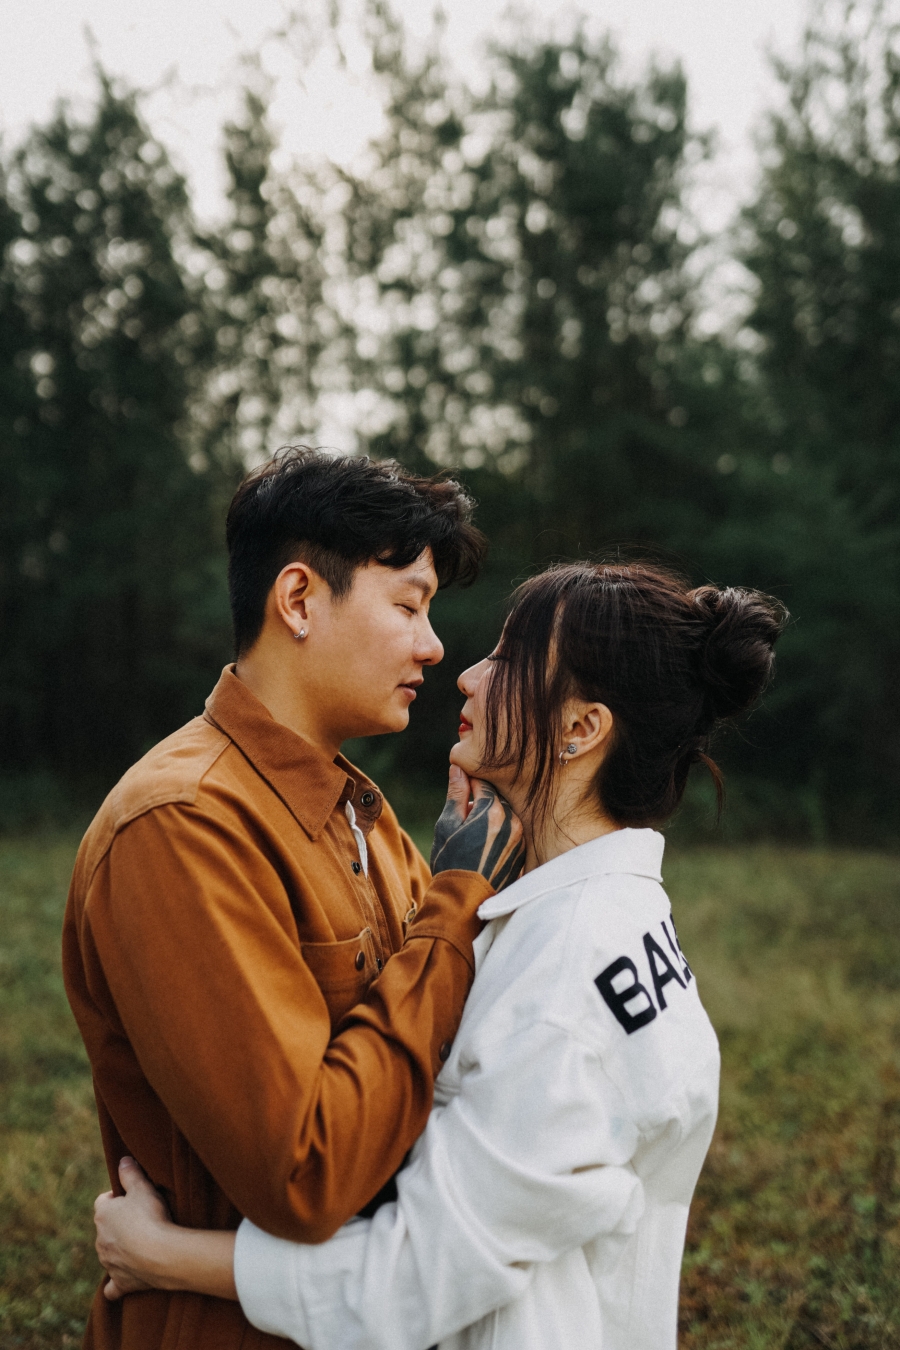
point(489, 840)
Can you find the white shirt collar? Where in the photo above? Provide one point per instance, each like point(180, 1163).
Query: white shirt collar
point(636, 852)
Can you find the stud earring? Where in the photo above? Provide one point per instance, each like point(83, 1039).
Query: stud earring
point(301, 635)
point(570, 749)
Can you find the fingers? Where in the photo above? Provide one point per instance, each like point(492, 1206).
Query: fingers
point(481, 788)
point(459, 790)
point(103, 1196)
point(133, 1177)
point(453, 817)
point(498, 845)
point(511, 868)
point(505, 843)
point(488, 839)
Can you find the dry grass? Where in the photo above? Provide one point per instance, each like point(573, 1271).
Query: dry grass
point(51, 1165)
point(794, 1236)
point(795, 1230)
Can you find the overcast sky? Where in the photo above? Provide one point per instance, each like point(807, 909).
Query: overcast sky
point(188, 53)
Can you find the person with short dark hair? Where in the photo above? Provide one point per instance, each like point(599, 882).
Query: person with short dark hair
point(545, 1206)
point(265, 974)
point(337, 513)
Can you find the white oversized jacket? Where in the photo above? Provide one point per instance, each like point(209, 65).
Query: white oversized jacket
point(544, 1207)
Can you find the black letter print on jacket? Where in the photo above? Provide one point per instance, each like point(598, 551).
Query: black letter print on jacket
point(662, 971)
point(661, 977)
point(616, 999)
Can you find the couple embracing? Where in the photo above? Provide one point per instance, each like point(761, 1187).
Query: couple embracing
point(349, 1102)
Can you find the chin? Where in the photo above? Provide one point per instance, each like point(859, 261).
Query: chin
point(470, 764)
point(383, 725)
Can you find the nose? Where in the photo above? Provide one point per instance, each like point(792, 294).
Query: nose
point(469, 680)
point(430, 648)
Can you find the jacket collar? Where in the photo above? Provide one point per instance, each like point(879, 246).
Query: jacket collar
point(636, 852)
point(309, 783)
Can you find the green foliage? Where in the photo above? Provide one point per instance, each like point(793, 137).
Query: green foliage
point(538, 269)
point(528, 259)
point(525, 248)
point(823, 243)
point(795, 1228)
point(264, 300)
point(510, 290)
point(112, 599)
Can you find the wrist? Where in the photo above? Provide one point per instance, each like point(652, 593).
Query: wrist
point(450, 910)
point(167, 1252)
point(194, 1261)
point(452, 901)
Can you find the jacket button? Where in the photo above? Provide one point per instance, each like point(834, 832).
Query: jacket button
point(357, 867)
point(444, 1052)
point(360, 960)
point(367, 799)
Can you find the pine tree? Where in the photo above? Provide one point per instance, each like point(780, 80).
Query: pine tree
point(823, 241)
point(121, 620)
point(525, 259)
point(20, 500)
point(266, 307)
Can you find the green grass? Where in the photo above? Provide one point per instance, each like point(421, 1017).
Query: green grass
point(51, 1165)
point(794, 1240)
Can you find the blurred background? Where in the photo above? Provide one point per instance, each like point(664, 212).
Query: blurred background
point(506, 248)
point(633, 274)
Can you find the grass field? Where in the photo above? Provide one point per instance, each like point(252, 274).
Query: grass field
point(795, 1234)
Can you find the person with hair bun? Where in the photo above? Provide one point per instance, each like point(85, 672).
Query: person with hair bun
point(545, 1205)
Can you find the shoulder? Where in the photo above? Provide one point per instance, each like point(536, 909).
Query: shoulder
point(600, 959)
point(638, 1001)
point(593, 916)
point(172, 772)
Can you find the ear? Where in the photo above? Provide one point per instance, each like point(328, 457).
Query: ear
point(588, 726)
point(290, 596)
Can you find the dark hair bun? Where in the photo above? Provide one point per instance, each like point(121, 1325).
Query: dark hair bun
point(738, 655)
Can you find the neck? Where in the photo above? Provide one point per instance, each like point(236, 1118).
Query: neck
point(573, 819)
point(275, 684)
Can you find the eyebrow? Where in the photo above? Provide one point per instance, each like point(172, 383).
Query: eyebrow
point(420, 584)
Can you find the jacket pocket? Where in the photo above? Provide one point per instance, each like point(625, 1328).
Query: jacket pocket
point(342, 970)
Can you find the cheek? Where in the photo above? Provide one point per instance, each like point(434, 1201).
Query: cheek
point(372, 646)
point(480, 700)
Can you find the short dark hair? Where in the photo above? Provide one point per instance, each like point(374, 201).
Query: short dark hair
point(337, 513)
point(671, 663)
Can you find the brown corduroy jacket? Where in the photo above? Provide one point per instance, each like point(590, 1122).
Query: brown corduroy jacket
point(223, 952)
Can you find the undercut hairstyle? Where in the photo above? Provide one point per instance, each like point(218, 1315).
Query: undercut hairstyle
point(336, 513)
point(671, 662)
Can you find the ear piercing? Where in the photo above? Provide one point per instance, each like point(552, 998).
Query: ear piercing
point(300, 636)
point(571, 749)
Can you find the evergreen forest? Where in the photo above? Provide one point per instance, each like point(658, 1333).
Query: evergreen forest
point(513, 291)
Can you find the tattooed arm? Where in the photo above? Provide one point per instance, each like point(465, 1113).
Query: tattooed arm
point(484, 837)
